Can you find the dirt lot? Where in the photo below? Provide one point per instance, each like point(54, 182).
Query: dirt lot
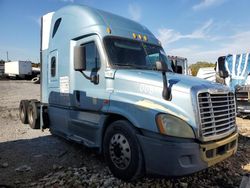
point(31, 158)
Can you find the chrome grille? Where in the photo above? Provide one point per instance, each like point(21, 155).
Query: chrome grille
point(217, 113)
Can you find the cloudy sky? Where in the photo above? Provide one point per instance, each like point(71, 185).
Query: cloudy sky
point(200, 30)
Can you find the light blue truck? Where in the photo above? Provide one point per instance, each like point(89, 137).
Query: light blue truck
point(106, 83)
point(234, 71)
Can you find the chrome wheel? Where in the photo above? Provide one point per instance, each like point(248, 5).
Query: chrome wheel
point(120, 152)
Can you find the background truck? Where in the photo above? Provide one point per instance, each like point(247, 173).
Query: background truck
point(234, 71)
point(106, 83)
point(18, 69)
point(179, 65)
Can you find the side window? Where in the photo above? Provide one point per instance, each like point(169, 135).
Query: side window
point(53, 66)
point(56, 26)
point(92, 57)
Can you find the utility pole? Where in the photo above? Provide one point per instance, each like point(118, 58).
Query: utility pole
point(7, 56)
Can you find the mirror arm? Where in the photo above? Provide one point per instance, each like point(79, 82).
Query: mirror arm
point(95, 81)
point(85, 76)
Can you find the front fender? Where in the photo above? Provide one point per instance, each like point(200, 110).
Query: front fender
point(139, 111)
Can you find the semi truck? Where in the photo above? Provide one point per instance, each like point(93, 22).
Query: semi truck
point(234, 71)
point(106, 83)
point(179, 64)
point(18, 69)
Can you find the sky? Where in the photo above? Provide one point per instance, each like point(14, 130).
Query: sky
point(200, 30)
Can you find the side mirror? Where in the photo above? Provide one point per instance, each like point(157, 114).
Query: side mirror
point(160, 66)
point(80, 58)
point(223, 74)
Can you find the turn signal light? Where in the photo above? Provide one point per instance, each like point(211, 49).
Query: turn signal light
point(108, 30)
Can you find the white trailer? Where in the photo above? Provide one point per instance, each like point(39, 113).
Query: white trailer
point(19, 69)
point(207, 73)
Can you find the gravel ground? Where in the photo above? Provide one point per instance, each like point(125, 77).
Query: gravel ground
point(31, 158)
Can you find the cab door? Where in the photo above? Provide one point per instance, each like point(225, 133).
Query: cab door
point(89, 99)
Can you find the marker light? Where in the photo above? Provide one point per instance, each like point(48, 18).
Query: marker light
point(134, 36)
point(108, 30)
point(140, 36)
point(145, 38)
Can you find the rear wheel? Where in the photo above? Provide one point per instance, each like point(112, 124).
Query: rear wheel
point(122, 150)
point(23, 107)
point(34, 114)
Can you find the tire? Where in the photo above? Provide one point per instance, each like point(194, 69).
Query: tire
point(122, 151)
point(35, 80)
point(34, 114)
point(23, 108)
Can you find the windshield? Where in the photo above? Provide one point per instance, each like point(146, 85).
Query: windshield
point(124, 53)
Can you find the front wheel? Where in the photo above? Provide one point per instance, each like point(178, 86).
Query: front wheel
point(122, 150)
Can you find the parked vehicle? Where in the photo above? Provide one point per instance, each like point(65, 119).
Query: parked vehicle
point(234, 71)
point(106, 83)
point(179, 64)
point(207, 73)
point(18, 69)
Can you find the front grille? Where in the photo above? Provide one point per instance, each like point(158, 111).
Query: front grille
point(217, 113)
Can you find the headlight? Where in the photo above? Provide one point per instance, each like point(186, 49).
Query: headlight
point(173, 126)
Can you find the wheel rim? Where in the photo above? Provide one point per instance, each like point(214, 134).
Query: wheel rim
point(120, 152)
point(31, 116)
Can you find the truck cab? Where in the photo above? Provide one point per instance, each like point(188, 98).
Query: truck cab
point(234, 71)
point(106, 82)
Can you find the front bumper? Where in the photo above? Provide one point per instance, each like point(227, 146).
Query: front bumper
point(170, 158)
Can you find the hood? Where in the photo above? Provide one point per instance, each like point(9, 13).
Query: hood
point(143, 88)
point(238, 81)
point(177, 82)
